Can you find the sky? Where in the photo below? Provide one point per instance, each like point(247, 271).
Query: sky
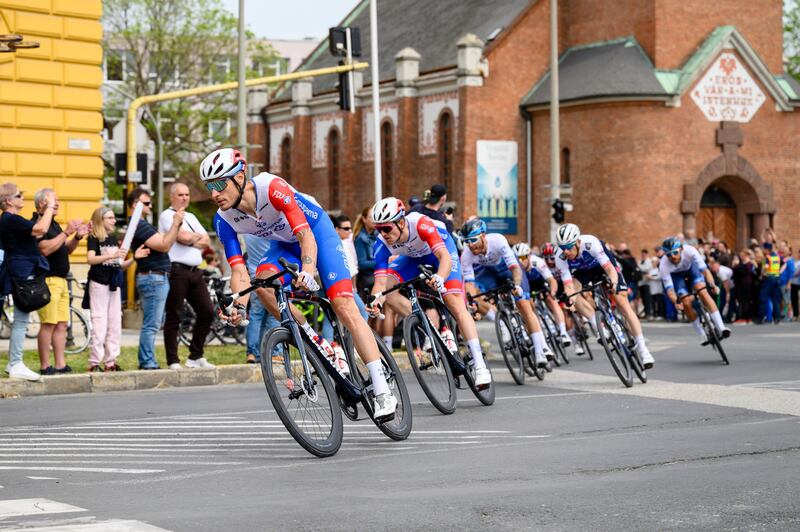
point(292, 19)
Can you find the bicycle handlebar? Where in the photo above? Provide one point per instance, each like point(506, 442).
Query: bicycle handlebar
point(426, 272)
point(226, 301)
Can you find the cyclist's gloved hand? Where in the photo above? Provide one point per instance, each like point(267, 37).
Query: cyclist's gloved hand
point(713, 290)
point(375, 307)
point(305, 281)
point(436, 282)
point(518, 291)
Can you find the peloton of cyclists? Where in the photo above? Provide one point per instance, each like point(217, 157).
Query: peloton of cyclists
point(587, 259)
point(300, 231)
point(414, 239)
point(541, 280)
point(682, 266)
point(488, 261)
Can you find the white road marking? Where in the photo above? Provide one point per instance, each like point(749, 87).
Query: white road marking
point(20, 507)
point(161, 462)
point(83, 469)
point(113, 525)
point(43, 478)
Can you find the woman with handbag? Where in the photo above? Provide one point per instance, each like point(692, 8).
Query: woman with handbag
point(107, 262)
point(24, 265)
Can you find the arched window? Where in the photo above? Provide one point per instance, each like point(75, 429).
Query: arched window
point(387, 150)
point(566, 172)
point(333, 168)
point(286, 158)
point(446, 150)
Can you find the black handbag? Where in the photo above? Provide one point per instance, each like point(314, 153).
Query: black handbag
point(31, 294)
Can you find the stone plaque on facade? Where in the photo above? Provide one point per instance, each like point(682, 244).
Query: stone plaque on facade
point(727, 92)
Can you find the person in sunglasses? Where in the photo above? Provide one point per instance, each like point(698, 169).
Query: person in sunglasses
point(299, 231)
point(152, 272)
point(588, 259)
point(682, 266)
point(416, 240)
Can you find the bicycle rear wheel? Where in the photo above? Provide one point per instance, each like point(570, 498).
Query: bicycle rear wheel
point(311, 414)
point(583, 337)
point(431, 367)
point(512, 352)
point(614, 349)
point(485, 396)
point(634, 360)
point(552, 341)
point(79, 330)
point(398, 428)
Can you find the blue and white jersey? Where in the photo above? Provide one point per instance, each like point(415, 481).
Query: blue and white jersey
point(498, 258)
point(539, 269)
point(690, 259)
point(591, 254)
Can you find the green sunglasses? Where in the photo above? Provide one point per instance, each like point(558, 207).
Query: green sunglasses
point(219, 185)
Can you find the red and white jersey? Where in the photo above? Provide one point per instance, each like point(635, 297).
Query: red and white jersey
point(425, 236)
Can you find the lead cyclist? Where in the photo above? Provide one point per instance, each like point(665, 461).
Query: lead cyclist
point(299, 231)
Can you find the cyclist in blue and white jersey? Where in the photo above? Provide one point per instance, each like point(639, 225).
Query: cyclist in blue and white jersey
point(414, 239)
point(301, 232)
point(587, 259)
point(540, 279)
point(488, 261)
point(682, 267)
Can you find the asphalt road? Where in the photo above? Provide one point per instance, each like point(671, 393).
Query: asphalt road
point(701, 446)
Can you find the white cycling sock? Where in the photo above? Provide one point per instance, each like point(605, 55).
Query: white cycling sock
point(538, 342)
point(491, 315)
point(379, 384)
point(717, 317)
point(640, 342)
point(387, 340)
point(562, 328)
point(573, 334)
point(698, 327)
point(477, 354)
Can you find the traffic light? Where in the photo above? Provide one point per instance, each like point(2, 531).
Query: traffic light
point(558, 211)
point(121, 167)
point(345, 89)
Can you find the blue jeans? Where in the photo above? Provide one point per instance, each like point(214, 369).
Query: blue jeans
point(770, 299)
point(17, 341)
point(260, 321)
point(153, 290)
point(327, 328)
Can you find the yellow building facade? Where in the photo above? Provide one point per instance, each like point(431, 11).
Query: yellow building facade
point(51, 103)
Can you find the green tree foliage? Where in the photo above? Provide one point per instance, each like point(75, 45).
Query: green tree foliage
point(791, 37)
point(167, 45)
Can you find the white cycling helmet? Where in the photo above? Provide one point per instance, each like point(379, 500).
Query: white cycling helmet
point(388, 210)
point(567, 235)
point(224, 162)
point(521, 249)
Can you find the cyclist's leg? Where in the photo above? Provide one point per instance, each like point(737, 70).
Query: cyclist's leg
point(400, 270)
point(269, 266)
point(680, 282)
point(699, 282)
point(624, 305)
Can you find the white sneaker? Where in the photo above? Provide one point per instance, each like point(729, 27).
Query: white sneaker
point(566, 341)
point(483, 377)
point(647, 359)
point(579, 350)
point(385, 406)
point(21, 371)
point(541, 360)
point(175, 366)
point(548, 353)
point(199, 363)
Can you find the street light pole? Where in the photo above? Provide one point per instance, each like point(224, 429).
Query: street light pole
point(241, 128)
point(160, 174)
point(376, 104)
point(555, 170)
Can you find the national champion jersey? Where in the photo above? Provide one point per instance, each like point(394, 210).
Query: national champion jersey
point(591, 254)
point(689, 257)
point(425, 236)
point(281, 212)
point(498, 257)
point(539, 269)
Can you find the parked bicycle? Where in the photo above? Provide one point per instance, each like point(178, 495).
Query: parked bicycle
point(7, 320)
point(308, 392)
point(79, 327)
point(220, 329)
point(437, 365)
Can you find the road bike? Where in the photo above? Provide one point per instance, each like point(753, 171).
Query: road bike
point(515, 342)
point(713, 336)
point(614, 335)
point(437, 365)
point(79, 327)
point(220, 329)
point(306, 389)
point(549, 328)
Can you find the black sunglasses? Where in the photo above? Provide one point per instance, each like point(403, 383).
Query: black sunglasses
point(384, 228)
point(348, 228)
point(146, 203)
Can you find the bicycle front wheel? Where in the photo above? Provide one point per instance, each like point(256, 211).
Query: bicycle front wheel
point(713, 337)
point(306, 404)
point(430, 365)
point(614, 349)
point(512, 353)
point(79, 332)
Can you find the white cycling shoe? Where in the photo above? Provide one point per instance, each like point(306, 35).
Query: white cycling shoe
point(483, 377)
point(541, 360)
point(647, 359)
point(579, 350)
point(725, 332)
point(548, 353)
point(385, 406)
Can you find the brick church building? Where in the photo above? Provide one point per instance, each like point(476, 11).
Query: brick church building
point(676, 116)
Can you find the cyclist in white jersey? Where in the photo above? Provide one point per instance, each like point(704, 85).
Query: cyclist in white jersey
point(682, 264)
point(415, 239)
point(587, 258)
point(301, 232)
point(488, 261)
